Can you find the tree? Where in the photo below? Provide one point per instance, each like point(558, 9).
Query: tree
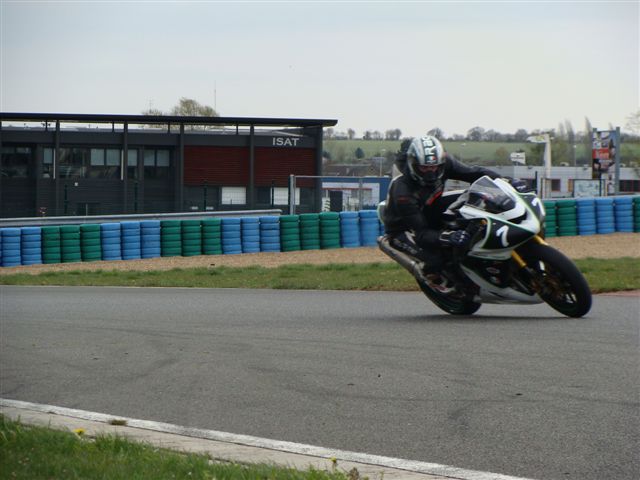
point(475, 134)
point(586, 139)
point(502, 156)
point(393, 134)
point(351, 133)
point(153, 112)
point(328, 133)
point(571, 134)
point(492, 136)
point(633, 123)
point(188, 107)
point(520, 135)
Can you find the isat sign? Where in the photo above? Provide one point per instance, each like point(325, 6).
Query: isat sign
point(285, 142)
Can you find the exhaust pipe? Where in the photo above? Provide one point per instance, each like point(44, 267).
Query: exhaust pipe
point(413, 266)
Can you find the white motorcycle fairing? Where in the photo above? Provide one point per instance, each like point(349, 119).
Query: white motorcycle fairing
point(490, 293)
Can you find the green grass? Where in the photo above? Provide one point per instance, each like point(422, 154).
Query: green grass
point(36, 453)
point(602, 275)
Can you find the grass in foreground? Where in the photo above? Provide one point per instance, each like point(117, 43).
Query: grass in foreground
point(40, 453)
point(602, 275)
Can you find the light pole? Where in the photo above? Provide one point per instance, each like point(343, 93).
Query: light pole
point(545, 191)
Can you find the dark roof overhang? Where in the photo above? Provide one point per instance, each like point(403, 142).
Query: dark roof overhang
point(164, 119)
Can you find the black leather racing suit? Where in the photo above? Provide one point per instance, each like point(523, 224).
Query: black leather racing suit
point(413, 213)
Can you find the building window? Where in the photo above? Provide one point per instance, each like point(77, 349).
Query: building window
point(15, 162)
point(275, 195)
point(157, 163)
point(104, 163)
point(74, 162)
point(48, 163)
point(132, 164)
point(555, 184)
point(234, 196)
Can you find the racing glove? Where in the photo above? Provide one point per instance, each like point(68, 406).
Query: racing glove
point(454, 238)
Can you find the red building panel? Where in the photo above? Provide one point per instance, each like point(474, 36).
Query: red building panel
point(216, 165)
point(276, 164)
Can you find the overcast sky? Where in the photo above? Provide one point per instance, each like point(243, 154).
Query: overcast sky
point(370, 65)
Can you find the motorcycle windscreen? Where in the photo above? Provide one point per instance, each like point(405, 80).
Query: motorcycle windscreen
point(485, 195)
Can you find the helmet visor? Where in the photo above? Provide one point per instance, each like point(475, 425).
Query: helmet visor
point(426, 169)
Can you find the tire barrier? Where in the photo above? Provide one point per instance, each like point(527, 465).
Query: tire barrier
point(269, 233)
point(131, 241)
point(70, 241)
point(11, 247)
point(329, 230)
point(567, 217)
point(110, 241)
point(605, 220)
point(90, 242)
point(150, 238)
point(586, 210)
point(551, 218)
point(191, 238)
point(250, 234)
point(212, 236)
point(310, 231)
point(31, 245)
point(51, 246)
point(349, 229)
point(369, 227)
point(307, 231)
point(290, 233)
point(623, 212)
point(170, 238)
point(231, 236)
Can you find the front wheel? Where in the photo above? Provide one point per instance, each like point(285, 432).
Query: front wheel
point(557, 280)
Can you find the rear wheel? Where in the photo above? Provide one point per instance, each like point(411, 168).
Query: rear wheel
point(451, 303)
point(557, 280)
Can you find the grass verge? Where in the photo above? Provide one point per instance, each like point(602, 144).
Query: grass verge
point(603, 276)
point(36, 453)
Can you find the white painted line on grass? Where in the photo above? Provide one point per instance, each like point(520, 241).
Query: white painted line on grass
point(277, 445)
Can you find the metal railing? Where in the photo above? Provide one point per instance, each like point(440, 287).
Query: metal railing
point(76, 219)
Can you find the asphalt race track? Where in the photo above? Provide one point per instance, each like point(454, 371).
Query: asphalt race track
point(517, 390)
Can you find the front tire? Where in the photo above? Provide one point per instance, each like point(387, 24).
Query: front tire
point(557, 280)
point(452, 305)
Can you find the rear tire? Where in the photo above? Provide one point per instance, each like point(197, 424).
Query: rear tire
point(454, 306)
point(557, 280)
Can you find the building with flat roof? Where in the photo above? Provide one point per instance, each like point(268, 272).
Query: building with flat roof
point(82, 164)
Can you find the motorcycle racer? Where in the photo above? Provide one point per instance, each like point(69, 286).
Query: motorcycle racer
point(416, 202)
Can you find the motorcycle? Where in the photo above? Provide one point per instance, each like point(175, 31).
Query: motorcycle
point(507, 260)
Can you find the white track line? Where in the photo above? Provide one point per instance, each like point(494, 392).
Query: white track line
point(278, 445)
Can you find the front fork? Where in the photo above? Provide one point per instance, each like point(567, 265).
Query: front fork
point(518, 259)
point(523, 265)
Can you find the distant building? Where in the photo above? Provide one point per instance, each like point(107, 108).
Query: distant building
point(76, 164)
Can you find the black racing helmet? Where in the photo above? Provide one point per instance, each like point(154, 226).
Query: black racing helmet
point(425, 160)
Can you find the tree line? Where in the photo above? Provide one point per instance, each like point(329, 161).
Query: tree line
point(564, 131)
